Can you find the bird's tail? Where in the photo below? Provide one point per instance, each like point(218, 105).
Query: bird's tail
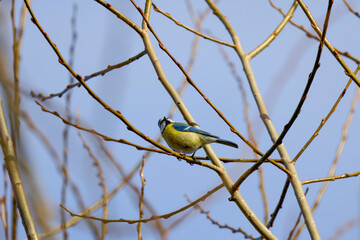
point(226, 142)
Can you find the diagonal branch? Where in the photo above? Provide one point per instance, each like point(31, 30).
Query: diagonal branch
point(328, 44)
point(278, 29)
point(157, 9)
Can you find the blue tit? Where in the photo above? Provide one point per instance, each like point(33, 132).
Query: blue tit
point(187, 139)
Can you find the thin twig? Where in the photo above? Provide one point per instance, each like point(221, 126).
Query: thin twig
point(222, 226)
point(276, 32)
point(121, 16)
point(324, 120)
point(351, 9)
point(311, 35)
point(328, 44)
point(3, 209)
point(88, 77)
point(102, 184)
point(280, 202)
point(263, 194)
point(132, 186)
point(157, 9)
point(141, 200)
point(164, 216)
point(67, 127)
point(59, 165)
point(98, 204)
point(333, 178)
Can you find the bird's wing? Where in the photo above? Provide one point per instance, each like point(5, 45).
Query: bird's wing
point(186, 128)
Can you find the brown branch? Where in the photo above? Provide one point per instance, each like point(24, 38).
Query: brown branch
point(157, 9)
point(164, 216)
point(60, 167)
point(88, 77)
point(324, 120)
point(141, 201)
point(333, 178)
point(222, 226)
point(102, 183)
point(311, 35)
point(279, 204)
point(351, 9)
point(336, 55)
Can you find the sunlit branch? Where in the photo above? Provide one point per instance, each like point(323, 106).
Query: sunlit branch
point(165, 216)
point(190, 29)
point(328, 179)
point(328, 44)
point(88, 77)
point(276, 32)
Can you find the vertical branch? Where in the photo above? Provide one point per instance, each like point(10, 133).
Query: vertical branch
point(102, 184)
point(3, 210)
point(14, 175)
point(141, 201)
point(263, 195)
point(66, 128)
point(15, 103)
point(279, 204)
point(63, 171)
point(14, 98)
point(14, 219)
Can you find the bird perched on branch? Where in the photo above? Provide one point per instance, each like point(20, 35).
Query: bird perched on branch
point(186, 139)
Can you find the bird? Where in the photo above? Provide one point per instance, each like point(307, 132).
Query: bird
point(184, 138)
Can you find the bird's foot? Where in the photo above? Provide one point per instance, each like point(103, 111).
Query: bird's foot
point(193, 158)
point(180, 158)
point(188, 161)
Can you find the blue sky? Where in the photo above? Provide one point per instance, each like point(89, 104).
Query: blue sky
point(281, 71)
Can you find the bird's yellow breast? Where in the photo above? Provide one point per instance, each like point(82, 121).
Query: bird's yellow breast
point(185, 142)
